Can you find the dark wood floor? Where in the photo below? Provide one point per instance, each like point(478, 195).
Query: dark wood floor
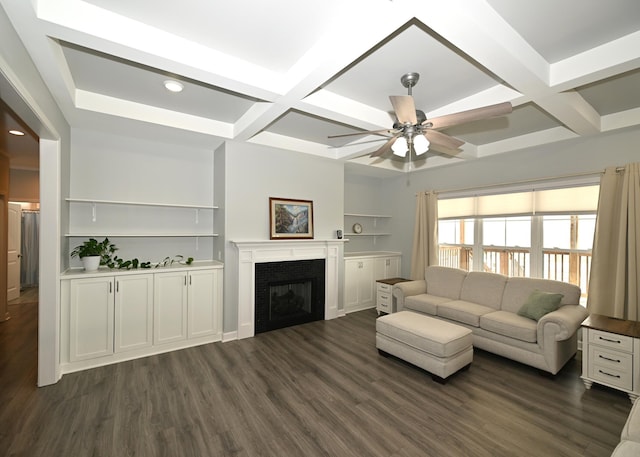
point(318, 389)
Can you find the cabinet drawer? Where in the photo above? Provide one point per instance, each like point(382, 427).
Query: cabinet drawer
point(386, 288)
point(383, 298)
point(617, 360)
point(611, 376)
point(611, 340)
point(384, 307)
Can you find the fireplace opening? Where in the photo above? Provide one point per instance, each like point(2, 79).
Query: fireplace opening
point(288, 293)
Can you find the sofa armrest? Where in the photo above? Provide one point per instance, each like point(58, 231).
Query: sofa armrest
point(565, 322)
point(405, 289)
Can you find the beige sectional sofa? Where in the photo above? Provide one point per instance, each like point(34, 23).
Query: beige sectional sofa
point(629, 445)
point(488, 304)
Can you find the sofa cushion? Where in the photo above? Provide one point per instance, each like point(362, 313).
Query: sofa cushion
point(463, 311)
point(483, 288)
point(627, 449)
point(539, 303)
point(444, 281)
point(518, 290)
point(511, 325)
point(631, 430)
point(424, 303)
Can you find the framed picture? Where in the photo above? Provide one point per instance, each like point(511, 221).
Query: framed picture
point(290, 219)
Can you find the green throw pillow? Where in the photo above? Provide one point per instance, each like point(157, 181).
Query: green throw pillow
point(540, 303)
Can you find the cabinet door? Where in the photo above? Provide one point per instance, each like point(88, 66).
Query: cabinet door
point(367, 286)
point(359, 287)
point(203, 302)
point(170, 307)
point(350, 284)
point(392, 267)
point(133, 312)
point(386, 267)
point(91, 318)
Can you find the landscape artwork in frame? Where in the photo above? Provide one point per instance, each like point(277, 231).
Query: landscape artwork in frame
point(290, 219)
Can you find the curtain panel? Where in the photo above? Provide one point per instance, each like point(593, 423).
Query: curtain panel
point(615, 267)
point(425, 234)
point(29, 265)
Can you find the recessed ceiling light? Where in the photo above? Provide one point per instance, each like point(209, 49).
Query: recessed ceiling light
point(16, 132)
point(173, 86)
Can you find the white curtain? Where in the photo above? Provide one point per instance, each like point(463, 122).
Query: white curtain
point(425, 234)
point(615, 266)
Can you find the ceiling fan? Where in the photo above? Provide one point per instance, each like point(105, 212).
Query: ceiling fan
point(413, 131)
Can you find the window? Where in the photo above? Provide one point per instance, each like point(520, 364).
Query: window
point(566, 248)
point(455, 238)
point(506, 245)
point(543, 234)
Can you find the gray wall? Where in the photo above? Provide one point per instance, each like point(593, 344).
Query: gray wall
point(587, 155)
point(367, 195)
point(255, 173)
point(118, 168)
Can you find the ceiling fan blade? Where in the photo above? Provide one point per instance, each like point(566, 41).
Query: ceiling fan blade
point(449, 120)
point(385, 147)
point(375, 132)
point(440, 139)
point(405, 108)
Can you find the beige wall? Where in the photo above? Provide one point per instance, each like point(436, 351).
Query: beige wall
point(24, 185)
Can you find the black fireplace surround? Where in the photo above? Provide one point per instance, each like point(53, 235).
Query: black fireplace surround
point(288, 293)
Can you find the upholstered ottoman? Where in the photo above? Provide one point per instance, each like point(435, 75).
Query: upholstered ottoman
point(439, 347)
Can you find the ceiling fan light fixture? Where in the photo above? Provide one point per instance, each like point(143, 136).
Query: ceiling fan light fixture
point(421, 144)
point(400, 147)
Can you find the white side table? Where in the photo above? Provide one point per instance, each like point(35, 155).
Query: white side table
point(385, 303)
point(611, 354)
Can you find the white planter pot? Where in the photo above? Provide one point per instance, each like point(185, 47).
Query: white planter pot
point(91, 263)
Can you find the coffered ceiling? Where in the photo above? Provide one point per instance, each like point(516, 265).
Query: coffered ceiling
point(289, 73)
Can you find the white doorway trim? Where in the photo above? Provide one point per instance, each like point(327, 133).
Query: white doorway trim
point(14, 222)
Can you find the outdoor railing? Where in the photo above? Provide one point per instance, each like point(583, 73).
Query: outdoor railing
point(559, 264)
point(568, 266)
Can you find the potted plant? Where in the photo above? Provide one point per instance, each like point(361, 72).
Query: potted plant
point(94, 253)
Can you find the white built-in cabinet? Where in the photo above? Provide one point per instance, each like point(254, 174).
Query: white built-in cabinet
point(358, 280)
point(361, 271)
point(183, 306)
point(133, 312)
point(110, 315)
point(91, 318)
point(204, 320)
point(170, 320)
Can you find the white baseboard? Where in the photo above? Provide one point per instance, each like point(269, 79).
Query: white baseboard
point(229, 336)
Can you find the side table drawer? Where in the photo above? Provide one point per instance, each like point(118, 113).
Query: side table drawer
point(611, 376)
point(386, 288)
point(384, 302)
point(620, 361)
point(611, 340)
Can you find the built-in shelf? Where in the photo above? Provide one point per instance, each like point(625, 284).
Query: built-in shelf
point(369, 234)
point(137, 203)
point(145, 235)
point(367, 215)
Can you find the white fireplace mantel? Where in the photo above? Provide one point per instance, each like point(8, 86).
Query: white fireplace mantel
point(252, 252)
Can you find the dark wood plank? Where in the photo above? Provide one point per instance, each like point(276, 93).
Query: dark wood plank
point(613, 325)
point(318, 389)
